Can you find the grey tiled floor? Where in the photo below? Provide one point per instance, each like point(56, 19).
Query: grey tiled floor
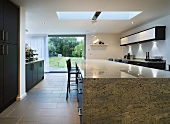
point(44, 104)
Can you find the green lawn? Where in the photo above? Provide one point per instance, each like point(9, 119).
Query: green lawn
point(60, 62)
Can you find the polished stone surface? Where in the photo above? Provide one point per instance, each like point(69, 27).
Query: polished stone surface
point(126, 101)
point(111, 69)
point(118, 93)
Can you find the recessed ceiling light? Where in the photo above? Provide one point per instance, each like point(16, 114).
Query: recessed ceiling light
point(132, 23)
point(43, 23)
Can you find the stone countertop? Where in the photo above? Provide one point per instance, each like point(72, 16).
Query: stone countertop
point(34, 61)
point(111, 69)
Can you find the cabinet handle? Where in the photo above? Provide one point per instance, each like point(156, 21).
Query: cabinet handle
point(2, 34)
point(6, 36)
point(79, 91)
point(2, 47)
point(32, 66)
point(80, 113)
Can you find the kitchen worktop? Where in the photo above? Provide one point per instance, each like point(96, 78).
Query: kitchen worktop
point(34, 61)
point(111, 69)
point(119, 93)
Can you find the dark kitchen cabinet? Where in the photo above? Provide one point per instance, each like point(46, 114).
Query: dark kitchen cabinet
point(35, 73)
point(31, 75)
point(34, 70)
point(10, 72)
point(11, 22)
point(1, 18)
point(9, 30)
point(28, 77)
point(1, 76)
point(40, 70)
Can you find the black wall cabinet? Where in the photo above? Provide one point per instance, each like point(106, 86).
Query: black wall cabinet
point(9, 30)
point(34, 73)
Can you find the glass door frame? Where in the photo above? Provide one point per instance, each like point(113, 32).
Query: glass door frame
point(70, 35)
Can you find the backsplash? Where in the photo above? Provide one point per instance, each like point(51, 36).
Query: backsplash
point(139, 50)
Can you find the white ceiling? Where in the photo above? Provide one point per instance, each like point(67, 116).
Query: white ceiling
point(44, 11)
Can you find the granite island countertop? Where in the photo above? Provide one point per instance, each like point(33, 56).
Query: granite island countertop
point(111, 69)
point(118, 93)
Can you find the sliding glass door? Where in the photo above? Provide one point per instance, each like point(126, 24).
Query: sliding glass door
point(62, 48)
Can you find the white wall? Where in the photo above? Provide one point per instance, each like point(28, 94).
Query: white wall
point(156, 48)
point(21, 83)
point(112, 50)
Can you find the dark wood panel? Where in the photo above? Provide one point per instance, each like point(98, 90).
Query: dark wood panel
point(10, 72)
point(1, 76)
point(29, 82)
point(1, 18)
point(11, 22)
point(35, 74)
point(40, 70)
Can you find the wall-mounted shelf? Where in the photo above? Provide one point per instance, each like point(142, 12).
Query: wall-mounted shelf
point(151, 34)
point(98, 44)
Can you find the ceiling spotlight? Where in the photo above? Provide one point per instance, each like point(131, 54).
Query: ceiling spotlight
point(43, 23)
point(132, 23)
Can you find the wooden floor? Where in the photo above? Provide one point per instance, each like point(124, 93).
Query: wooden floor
point(44, 104)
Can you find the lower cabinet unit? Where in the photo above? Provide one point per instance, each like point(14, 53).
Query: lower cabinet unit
point(80, 100)
point(34, 73)
point(8, 74)
point(1, 77)
point(40, 70)
point(157, 65)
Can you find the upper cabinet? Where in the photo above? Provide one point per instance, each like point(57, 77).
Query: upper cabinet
point(9, 22)
point(133, 38)
point(151, 34)
point(124, 40)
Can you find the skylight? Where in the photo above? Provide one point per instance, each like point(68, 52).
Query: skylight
point(122, 15)
point(75, 15)
point(118, 15)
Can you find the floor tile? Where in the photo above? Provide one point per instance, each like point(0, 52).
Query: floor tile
point(44, 104)
point(9, 120)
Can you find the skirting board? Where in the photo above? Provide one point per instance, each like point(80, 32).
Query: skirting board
point(21, 97)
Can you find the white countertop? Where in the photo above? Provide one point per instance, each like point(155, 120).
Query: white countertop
point(111, 69)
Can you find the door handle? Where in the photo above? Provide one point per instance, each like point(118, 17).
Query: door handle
point(6, 36)
point(2, 34)
point(2, 49)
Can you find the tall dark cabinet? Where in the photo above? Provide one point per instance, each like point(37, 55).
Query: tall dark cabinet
point(9, 30)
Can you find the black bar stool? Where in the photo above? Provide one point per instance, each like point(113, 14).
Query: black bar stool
point(71, 71)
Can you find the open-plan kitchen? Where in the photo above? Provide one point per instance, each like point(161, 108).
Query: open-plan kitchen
point(84, 62)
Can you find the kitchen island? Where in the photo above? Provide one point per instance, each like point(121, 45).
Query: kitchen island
point(116, 93)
